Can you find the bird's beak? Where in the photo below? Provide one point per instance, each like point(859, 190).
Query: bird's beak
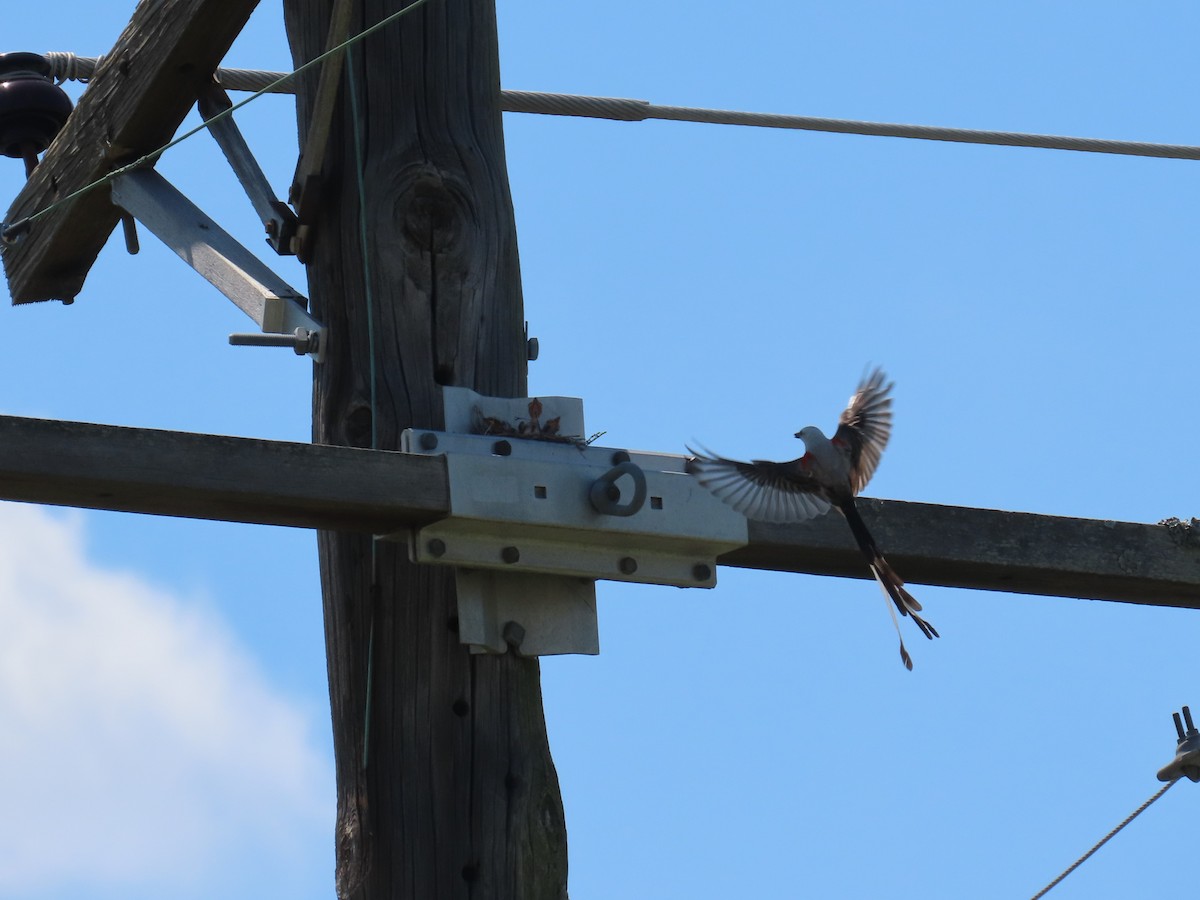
point(797, 434)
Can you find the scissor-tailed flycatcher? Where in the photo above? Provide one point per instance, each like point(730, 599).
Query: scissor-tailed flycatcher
point(829, 474)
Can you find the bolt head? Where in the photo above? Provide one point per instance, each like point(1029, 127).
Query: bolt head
point(513, 633)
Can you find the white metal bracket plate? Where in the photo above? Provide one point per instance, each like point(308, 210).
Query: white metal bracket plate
point(532, 508)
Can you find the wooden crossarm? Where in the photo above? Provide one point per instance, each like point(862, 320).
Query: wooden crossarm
point(136, 100)
point(343, 488)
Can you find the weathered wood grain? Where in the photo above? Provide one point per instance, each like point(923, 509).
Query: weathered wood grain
point(372, 492)
point(458, 796)
point(215, 477)
point(994, 550)
point(135, 101)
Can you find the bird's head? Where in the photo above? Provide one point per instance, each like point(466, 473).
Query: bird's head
point(808, 433)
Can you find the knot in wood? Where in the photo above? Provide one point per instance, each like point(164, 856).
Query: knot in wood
point(435, 212)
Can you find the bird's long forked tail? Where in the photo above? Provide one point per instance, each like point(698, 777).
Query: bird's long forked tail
point(893, 586)
point(889, 582)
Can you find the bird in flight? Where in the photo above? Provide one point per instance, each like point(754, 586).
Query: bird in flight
point(829, 475)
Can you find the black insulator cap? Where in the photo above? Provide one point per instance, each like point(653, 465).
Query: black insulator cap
point(33, 108)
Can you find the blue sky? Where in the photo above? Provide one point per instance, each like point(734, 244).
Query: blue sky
point(162, 682)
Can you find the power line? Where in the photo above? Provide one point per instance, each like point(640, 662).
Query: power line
point(69, 67)
point(11, 230)
point(1104, 840)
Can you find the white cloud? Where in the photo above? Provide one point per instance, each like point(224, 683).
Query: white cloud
point(139, 744)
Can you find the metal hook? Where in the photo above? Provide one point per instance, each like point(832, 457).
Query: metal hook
point(605, 494)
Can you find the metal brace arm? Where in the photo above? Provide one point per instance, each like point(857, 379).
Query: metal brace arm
point(277, 218)
point(215, 254)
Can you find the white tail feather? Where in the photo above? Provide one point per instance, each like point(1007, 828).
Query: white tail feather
point(887, 601)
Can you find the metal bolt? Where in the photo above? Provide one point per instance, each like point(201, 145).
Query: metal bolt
point(531, 349)
point(627, 565)
point(129, 229)
point(510, 555)
point(12, 234)
point(436, 547)
point(428, 441)
point(502, 448)
point(513, 634)
point(301, 340)
point(702, 571)
point(307, 341)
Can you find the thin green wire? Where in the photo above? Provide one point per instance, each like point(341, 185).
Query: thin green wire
point(369, 297)
point(24, 223)
point(363, 238)
point(21, 225)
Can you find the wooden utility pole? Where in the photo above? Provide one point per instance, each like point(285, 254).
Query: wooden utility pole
point(446, 787)
point(452, 793)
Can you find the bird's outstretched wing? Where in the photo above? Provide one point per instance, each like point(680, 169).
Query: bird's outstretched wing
point(767, 491)
point(865, 426)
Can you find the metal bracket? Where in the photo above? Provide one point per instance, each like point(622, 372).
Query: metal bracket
point(277, 218)
point(214, 253)
point(559, 510)
point(1187, 751)
point(308, 182)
